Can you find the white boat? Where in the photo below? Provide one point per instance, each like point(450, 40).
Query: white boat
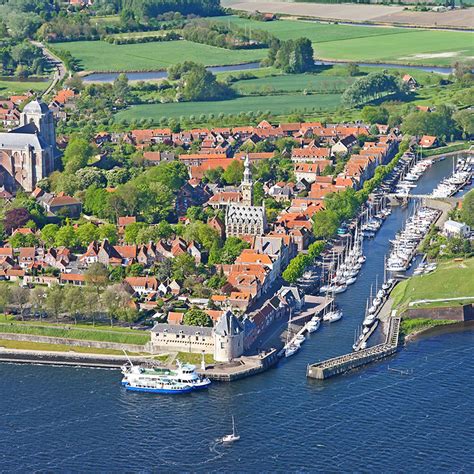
point(313, 325)
point(332, 316)
point(184, 374)
point(299, 339)
point(230, 438)
point(291, 349)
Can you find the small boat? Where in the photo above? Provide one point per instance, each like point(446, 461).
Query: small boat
point(230, 438)
point(291, 349)
point(299, 339)
point(313, 326)
point(333, 316)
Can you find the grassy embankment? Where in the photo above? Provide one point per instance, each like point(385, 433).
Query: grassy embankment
point(453, 279)
point(80, 331)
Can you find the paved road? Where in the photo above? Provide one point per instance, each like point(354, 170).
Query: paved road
point(59, 67)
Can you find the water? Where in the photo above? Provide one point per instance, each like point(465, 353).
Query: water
point(71, 419)
point(155, 75)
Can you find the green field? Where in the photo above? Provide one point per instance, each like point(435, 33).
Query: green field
point(299, 82)
point(370, 44)
point(102, 56)
point(277, 104)
point(120, 335)
point(8, 88)
point(451, 280)
point(40, 346)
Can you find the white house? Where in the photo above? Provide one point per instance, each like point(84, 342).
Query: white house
point(456, 229)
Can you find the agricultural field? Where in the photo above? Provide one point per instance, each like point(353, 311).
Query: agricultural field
point(102, 56)
point(364, 44)
point(8, 88)
point(276, 105)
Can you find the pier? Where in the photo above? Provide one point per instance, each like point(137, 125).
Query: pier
point(339, 365)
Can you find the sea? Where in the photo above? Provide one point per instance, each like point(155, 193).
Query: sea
point(409, 413)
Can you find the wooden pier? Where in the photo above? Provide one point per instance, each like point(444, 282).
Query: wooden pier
point(338, 365)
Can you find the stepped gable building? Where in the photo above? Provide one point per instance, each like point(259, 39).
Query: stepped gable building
point(28, 152)
point(243, 218)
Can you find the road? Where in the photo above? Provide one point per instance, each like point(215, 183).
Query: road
point(59, 67)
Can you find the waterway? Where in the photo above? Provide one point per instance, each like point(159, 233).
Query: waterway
point(156, 75)
point(74, 419)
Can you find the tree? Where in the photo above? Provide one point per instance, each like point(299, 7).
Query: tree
point(197, 317)
point(373, 114)
point(77, 154)
point(201, 84)
point(97, 276)
point(353, 69)
point(131, 231)
point(20, 298)
point(91, 302)
point(109, 232)
point(465, 121)
point(87, 233)
point(234, 172)
point(16, 218)
point(114, 299)
point(37, 299)
point(121, 88)
point(5, 296)
point(467, 212)
point(183, 266)
point(54, 300)
point(66, 237)
point(325, 223)
point(74, 301)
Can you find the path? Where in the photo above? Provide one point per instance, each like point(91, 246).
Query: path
point(440, 300)
point(60, 69)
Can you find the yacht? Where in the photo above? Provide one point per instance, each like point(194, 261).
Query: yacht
point(313, 325)
point(162, 385)
point(230, 438)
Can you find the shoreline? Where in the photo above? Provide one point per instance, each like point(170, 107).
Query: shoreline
point(437, 330)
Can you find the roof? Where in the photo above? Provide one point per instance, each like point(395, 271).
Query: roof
point(228, 325)
point(36, 107)
point(182, 329)
point(126, 220)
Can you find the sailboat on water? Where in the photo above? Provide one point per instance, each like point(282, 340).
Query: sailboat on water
point(230, 438)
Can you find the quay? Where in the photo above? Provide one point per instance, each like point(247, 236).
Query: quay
point(344, 363)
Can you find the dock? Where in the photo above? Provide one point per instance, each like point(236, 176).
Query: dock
point(339, 365)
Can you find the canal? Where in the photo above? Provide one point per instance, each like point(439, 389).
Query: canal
point(75, 419)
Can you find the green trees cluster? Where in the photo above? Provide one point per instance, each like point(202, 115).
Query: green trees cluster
point(22, 59)
point(197, 317)
point(467, 212)
point(443, 122)
point(222, 35)
point(145, 9)
point(372, 86)
point(292, 56)
point(197, 83)
point(298, 265)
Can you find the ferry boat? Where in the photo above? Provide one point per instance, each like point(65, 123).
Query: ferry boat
point(185, 375)
point(162, 385)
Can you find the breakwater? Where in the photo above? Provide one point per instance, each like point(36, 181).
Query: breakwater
point(339, 365)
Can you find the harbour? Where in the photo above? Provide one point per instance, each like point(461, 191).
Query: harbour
point(93, 401)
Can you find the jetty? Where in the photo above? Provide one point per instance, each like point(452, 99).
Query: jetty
point(339, 365)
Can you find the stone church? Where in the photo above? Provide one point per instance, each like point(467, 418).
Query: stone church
point(243, 218)
point(28, 152)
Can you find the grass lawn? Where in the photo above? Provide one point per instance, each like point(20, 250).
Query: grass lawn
point(102, 56)
point(277, 105)
point(39, 346)
point(451, 280)
point(409, 326)
point(8, 88)
point(118, 335)
point(191, 358)
point(359, 43)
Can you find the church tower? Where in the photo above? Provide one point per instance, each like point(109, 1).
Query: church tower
point(38, 113)
point(247, 184)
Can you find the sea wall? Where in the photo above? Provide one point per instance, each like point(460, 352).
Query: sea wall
point(74, 342)
point(454, 313)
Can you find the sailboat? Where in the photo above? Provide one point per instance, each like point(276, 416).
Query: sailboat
point(230, 438)
point(290, 347)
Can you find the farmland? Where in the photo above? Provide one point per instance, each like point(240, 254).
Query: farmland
point(277, 104)
point(8, 88)
point(395, 45)
point(102, 56)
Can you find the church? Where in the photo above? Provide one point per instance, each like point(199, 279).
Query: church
point(243, 218)
point(28, 152)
